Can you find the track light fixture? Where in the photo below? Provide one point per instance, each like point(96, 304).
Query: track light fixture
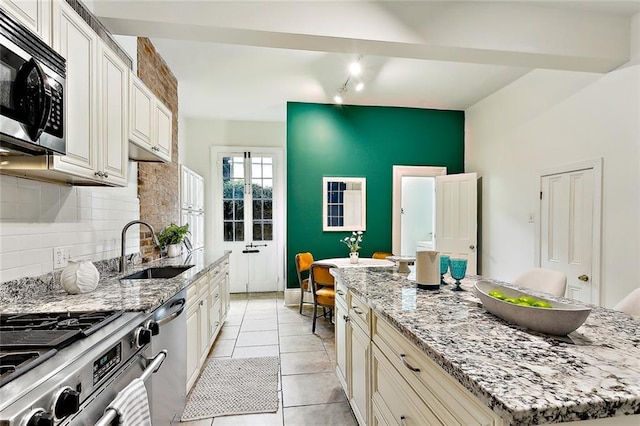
point(355, 68)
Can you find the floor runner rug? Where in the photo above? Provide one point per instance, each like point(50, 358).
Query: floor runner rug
point(233, 387)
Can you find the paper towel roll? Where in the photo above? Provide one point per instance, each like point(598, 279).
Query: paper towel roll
point(428, 269)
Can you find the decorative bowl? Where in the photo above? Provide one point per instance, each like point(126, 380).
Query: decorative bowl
point(559, 320)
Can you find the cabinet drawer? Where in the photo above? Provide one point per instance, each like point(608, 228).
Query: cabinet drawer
point(396, 403)
point(360, 313)
point(341, 293)
point(192, 293)
point(446, 397)
point(214, 290)
point(217, 273)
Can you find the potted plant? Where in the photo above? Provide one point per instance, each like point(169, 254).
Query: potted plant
point(171, 238)
point(353, 242)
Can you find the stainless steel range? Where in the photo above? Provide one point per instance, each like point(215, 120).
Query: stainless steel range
point(65, 368)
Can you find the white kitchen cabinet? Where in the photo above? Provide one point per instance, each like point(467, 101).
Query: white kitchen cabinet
point(358, 369)
point(193, 339)
point(150, 124)
point(205, 317)
point(435, 397)
point(95, 103)
point(342, 336)
point(192, 203)
point(33, 14)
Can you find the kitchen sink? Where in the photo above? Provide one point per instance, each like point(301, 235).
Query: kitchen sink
point(160, 272)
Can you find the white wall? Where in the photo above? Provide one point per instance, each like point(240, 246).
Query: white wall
point(549, 118)
point(201, 134)
point(36, 216)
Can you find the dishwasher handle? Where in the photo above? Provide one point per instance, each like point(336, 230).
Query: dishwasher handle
point(176, 308)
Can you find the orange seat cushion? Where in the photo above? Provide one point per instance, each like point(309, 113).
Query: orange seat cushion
point(326, 296)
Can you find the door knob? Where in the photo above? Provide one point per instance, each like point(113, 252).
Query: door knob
point(584, 278)
point(472, 247)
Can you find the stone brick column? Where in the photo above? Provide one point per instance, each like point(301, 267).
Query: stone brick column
point(158, 183)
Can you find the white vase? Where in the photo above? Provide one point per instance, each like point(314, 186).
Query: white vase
point(353, 257)
point(79, 277)
point(173, 250)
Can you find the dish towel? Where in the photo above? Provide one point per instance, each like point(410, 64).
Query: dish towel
point(132, 405)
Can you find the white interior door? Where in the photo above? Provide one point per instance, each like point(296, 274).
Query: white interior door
point(249, 219)
point(566, 230)
point(456, 218)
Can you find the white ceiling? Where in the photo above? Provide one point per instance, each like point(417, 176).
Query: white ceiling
point(243, 60)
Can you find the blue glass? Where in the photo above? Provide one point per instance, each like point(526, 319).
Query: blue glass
point(444, 267)
point(458, 269)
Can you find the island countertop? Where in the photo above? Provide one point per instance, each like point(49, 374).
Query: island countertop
point(523, 376)
point(113, 293)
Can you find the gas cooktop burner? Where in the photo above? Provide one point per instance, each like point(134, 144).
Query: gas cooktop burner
point(13, 364)
point(26, 340)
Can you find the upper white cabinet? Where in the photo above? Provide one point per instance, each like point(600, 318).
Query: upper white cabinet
point(33, 14)
point(192, 204)
point(96, 103)
point(150, 124)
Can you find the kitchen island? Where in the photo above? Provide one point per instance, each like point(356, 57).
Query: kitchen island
point(44, 294)
point(523, 377)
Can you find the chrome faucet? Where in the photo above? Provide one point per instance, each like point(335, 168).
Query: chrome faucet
point(123, 257)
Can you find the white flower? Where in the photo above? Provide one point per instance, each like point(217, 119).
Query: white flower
point(353, 241)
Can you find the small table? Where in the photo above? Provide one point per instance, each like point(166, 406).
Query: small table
point(403, 262)
point(344, 262)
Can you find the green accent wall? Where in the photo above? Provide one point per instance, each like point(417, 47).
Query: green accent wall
point(358, 141)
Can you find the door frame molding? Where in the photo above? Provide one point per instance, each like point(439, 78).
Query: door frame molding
point(396, 218)
point(596, 244)
point(280, 199)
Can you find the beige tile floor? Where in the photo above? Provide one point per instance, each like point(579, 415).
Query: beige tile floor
point(310, 394)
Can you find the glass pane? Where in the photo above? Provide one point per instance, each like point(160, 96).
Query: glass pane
point(239, 210)
point(227, 189)
point(257, 188)
point(257, 209)
point(267, 232)
point(267, 170)
point(228, 231)
point(227, 210)
point(238, 168)
point(257, 231)
point(239, 231)
point(226, 168)
point(256, 168)
point(238, 188)
point(267, 209)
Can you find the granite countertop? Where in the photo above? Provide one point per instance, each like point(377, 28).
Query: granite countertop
point(523, 376)
point(44, 294)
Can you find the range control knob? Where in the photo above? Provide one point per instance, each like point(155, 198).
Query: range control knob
point(154, 327)
point(142, 337)
point(66, 402)
point(40, 418)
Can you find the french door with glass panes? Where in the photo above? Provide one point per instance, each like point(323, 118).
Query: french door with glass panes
point(249, 222)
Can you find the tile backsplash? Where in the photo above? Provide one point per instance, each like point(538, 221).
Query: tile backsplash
point(36, 217)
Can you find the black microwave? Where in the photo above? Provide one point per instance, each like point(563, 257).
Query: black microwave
point(32, 77)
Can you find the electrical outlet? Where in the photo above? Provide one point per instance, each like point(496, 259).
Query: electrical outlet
point(61, 257)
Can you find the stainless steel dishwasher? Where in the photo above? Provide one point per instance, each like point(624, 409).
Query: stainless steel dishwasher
point(168, 385)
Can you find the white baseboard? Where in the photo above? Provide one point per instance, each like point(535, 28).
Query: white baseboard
point(292, 297)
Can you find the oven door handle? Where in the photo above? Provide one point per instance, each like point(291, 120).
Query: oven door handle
point(153, 365)
point(177, 308)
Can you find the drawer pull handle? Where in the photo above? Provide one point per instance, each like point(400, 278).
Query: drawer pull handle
point(340, 292)
point(355, 309)
point(402, 420)
point(346, 318)
point(409, 366)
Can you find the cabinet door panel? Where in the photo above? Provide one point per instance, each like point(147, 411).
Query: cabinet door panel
point(204, 328)
point(341, 344)
point(113, 135)
point(33, 14)
point(163, 128)
point(360, 347)
point(193, 350)
point(141, 104)
point(77, 42)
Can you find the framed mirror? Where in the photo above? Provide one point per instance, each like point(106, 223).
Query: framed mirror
point(344, 204)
